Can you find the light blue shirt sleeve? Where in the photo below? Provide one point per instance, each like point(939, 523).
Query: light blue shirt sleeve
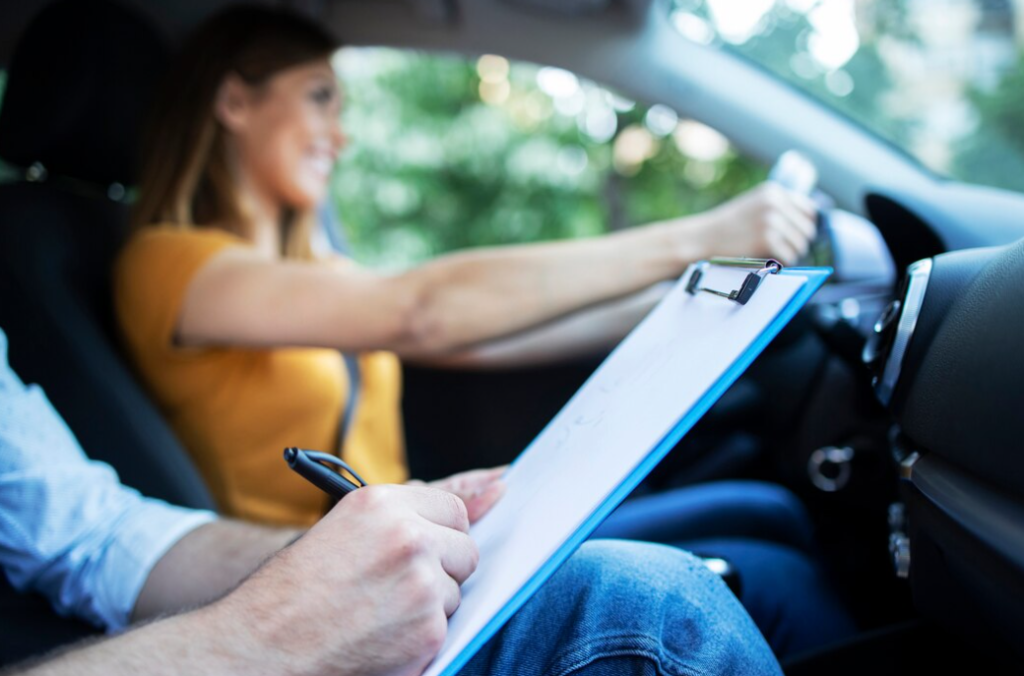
point(68, 528)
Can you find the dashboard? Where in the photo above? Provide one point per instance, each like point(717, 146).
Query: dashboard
point(943, 361)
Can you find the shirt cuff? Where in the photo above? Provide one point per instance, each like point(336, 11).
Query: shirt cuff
point(142, 540)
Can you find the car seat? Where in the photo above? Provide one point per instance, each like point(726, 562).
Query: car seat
point(77, 88)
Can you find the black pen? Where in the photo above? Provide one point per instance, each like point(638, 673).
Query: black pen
point(310, 465)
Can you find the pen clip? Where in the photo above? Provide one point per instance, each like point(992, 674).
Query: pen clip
point(328, 459)
point(765, 267)
point(312, 465)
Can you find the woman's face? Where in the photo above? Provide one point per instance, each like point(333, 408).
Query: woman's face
point(287, 132)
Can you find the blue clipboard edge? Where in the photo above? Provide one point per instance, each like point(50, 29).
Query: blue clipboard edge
point(815, 278)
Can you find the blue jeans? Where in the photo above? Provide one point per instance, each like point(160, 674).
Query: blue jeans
point(765, 532)
point(733, 509)
point(628, 608)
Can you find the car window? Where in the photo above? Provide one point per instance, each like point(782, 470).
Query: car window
point(449, 152)
point(944, 81)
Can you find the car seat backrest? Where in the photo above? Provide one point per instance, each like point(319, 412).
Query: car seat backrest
point(77, 88)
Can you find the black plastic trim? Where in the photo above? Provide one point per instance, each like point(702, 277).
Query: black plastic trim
point(993, 518)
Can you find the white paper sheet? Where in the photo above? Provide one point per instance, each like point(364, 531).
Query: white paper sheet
point(613, 422)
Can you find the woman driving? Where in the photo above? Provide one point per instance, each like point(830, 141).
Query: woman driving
point(241, 325)
point(237, 322)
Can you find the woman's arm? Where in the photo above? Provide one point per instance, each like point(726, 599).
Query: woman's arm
point(463, 299)
point(587, 333)
point(240, 298)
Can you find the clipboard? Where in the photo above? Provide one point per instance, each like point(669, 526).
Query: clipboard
point(649, 392)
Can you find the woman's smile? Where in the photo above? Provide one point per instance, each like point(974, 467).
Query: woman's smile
point(320, 159)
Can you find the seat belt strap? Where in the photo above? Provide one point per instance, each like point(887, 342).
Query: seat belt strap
point(354, 387)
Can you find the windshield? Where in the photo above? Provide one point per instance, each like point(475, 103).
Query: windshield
point(941, 79)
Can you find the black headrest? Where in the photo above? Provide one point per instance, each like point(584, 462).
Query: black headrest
point(78, 87)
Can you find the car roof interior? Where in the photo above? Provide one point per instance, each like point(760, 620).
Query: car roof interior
point(627, 44)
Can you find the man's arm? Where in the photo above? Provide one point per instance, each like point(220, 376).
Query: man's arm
point(68, 528)
point(206, 564)
point(366, 591)
point(211, 560)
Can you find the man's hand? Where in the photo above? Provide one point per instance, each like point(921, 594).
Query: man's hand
point(480, 489)
point(767, 221)
point(368, 590)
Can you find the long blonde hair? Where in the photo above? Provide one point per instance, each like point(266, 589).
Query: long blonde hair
point(186, 178)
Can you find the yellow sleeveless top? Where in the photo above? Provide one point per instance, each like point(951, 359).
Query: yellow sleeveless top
point(237, 409)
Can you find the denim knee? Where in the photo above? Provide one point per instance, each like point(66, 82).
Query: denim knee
point(639, 607)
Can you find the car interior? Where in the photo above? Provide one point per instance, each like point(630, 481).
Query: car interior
point(887, 405)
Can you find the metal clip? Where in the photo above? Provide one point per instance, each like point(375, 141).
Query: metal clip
point(767, 266)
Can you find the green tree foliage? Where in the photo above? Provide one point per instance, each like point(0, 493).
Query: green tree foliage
point(432, 168)
point(993, 154)
point(934, 83)
point(856, 89)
